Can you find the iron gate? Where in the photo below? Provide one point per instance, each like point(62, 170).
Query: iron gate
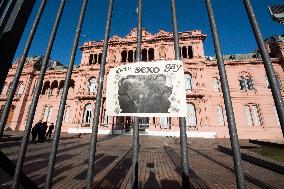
point(11, 28)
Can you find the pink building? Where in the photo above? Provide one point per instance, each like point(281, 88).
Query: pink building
point(254, 108)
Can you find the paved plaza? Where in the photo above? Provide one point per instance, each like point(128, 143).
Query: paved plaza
point(159, 163)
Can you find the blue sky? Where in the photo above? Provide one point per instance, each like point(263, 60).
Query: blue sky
point(234, 30)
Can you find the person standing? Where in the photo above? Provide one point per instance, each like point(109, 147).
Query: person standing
point(35, 131)
point(42, 132)
point(49, 132)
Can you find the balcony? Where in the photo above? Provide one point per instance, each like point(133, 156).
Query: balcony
point(86, 95)
point(199, 93)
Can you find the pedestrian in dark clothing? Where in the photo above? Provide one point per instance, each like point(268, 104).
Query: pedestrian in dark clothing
point(42, 132)
point(49, 132)
point(35, 131)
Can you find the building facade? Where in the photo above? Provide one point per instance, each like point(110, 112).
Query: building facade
point(253, 105)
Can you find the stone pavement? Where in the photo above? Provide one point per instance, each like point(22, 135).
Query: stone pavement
point(159, 164)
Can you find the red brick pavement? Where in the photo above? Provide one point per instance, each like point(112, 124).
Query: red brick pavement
point(159, 164)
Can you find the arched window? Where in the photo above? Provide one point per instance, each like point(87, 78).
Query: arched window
point(144, 55)
point(130, 56)
point(191, 115)
point(71, 86)
point(100, 58)
point(252, 115)
point(216, 84)
point(151, 54)
point(123, 56)
point(91, 59)
point(60, 88)
point(92, 85)
point(54, 87)
point(246, 83)
point(96, 58)
point(188, 81)
point(184, 52)
point(46, 88)
point(220, 115)
point(88, 115)
point(190, 52)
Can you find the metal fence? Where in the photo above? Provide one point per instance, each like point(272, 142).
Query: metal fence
point(11, 29)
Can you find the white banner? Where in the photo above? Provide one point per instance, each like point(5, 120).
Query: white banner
point(147, 89)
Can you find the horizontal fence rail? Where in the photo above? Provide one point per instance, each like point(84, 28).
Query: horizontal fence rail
point(6, 12)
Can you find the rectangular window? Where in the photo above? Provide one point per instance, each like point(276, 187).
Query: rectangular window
point(249, 84)
point(105, 118)
point(49, 113)
point(88, 116)
point(165, 122)
point(67, 113)
point(220, 115)
point(45, 113)
point(243, 84)
point(215, 84)
point(255, 115)
point(143, 122)
point(188, 82)
point(191, 116)
point(248, 115)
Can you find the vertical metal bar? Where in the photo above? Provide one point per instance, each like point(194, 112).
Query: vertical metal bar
point(276, 93)
point(182, 121)
point(6, 14)
point(20, 69)
point(35, 97)
point(3, 6)
point(135, 142)
point(90, 173)
point(227, 99)
point(58, 124)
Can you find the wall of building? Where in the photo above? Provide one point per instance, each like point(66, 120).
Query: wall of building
point(205, 94)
